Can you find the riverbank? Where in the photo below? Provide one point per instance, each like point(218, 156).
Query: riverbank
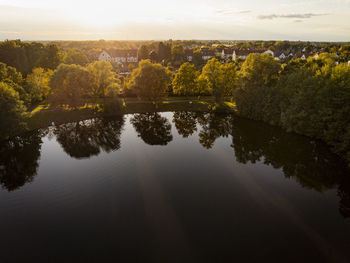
point(44, 115)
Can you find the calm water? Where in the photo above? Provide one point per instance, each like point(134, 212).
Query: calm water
point(172, 187)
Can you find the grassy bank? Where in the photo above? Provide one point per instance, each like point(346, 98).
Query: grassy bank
point(43, 115)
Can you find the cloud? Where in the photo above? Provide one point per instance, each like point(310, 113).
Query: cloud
point(297, 16)
point(232, 12)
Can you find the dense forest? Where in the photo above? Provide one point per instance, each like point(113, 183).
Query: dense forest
point(309, 97)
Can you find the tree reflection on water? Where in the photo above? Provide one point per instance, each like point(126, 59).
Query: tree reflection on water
point(152, 128)
point(83, 139)
point(308, 162)
point(19, 158)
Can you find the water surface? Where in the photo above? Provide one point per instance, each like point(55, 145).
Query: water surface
point(172, 187)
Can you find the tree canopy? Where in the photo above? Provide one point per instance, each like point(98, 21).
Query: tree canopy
point(69, 85)
point(185, 81)
point(12, 111)
point(149, 81)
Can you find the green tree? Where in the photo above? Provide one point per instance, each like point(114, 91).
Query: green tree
point(12, 112)
point(258, 76)
point(229, 78)
point(164, 52)
point(178, 54)
point(143, 52)
point(14, 79)
point(52, 57)
point(74, 56)
point(212, 71)
point(203, 86)
point(149, 81)
point(153, 56)
point(220, 77)
point(185, 81)
point(102, 80)
point(69, 85)
point(197, 58)
point(38, 84)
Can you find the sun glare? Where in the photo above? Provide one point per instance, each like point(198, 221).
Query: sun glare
point(93, 15)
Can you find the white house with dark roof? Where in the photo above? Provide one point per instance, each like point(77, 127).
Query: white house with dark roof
point(119, 56)
point(243, 53)
point(270, 52)
point(207, 53)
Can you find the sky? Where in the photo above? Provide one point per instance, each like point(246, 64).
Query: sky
point(314, 20)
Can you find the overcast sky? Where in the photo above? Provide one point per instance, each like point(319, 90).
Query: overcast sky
point(321, 20)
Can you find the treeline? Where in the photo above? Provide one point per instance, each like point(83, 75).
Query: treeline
point(68, 84)
point(309, 97)
point(25, 56)
point(91, 48)
point(17, 93)
point(75, 85)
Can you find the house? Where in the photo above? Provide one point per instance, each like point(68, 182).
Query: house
point(207, 53)
point(189, 54)
point(282, 56)
point(300, 55)
point(269, 52)
point(227, 53)
point(119, 56)
point(243, 53)
point(218, 52)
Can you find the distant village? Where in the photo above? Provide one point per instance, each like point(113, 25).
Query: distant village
point(121, 56)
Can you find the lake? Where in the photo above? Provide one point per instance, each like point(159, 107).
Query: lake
point(172, 187)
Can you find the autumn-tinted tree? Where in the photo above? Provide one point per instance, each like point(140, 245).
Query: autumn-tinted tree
point(203, 86)
point(185, 81)
point(149, 81)
point(38, 84)
point(69, 85)
point(102, 80)
point(14, 79)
